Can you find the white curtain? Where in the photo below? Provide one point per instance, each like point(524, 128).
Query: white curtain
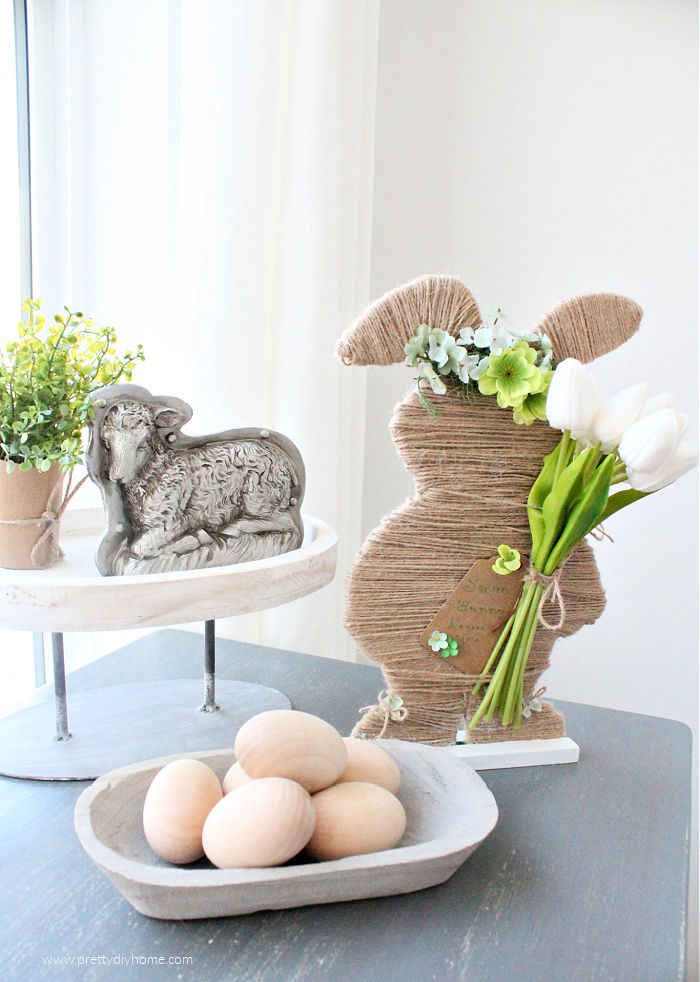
point(203, 180)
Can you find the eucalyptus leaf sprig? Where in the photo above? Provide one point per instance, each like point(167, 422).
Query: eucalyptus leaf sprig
point(46, 376)
point(629, 439)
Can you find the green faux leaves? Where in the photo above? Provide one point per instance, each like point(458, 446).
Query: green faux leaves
point(46, 376)
point(582, 513)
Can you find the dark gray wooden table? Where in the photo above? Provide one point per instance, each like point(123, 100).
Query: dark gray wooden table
point(583, 880)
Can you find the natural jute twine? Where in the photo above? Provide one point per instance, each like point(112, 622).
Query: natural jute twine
point(46, 550)
point(397, 713)
point(473, 469)
point(551, 594)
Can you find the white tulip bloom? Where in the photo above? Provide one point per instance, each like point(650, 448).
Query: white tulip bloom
point(664, 400)
point(617, 414)
point(647, 445)
point(573, 399)
point(683, 460)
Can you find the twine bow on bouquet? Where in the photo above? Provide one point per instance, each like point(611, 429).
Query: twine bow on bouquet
point(629, 439)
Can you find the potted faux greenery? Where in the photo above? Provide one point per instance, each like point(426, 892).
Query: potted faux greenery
point(46, 376)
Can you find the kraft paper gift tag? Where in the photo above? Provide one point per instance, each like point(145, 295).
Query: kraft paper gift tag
point(475, 613)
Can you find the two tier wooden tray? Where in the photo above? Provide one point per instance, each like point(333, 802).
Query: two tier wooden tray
point(115, 726)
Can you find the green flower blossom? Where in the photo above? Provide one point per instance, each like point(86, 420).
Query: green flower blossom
point(452, 648)
point(533, 405)
point(444, 352)
point(426, 371)
point(546, 354)
point(437, 640)
point(437, 346)
point(532, 704)
point(511, 375)
point(508, 560)
point(415, 349)
point(456, 355)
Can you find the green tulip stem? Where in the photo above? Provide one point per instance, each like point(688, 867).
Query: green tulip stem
point(583, 515)
point(514, 697)
point(497, 647)
point(619, 472)
point(592, 463)
point(490, 702)
point(564, 454)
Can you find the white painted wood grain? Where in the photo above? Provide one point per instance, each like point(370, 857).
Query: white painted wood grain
point(517, 753)
point(449, 812)
point(73, 596)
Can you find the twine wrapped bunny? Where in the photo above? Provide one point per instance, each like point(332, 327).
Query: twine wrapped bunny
point(473, 468)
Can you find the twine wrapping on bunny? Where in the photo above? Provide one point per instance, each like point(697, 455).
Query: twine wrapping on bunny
point(473, 469)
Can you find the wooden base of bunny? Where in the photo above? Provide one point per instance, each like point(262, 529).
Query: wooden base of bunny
point(518, 753)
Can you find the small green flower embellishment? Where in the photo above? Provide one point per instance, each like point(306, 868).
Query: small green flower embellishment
point(511, 375)
point(451, 649)
point(392, 705)
point(442, 645)
point(532, 704)
point(437, 640)
point(508, 560)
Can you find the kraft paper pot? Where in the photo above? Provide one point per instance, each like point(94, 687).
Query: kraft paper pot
point(24, 495)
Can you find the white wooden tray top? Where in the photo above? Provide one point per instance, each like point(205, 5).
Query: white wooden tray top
point(449, 809)
point(73, 596)
point(111, 727)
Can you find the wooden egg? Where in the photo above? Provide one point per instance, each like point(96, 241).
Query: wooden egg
point(291, 744)
point(235, 776)
point(368, 762)
point(261, 823)
point(355, 818)
point(179, 798)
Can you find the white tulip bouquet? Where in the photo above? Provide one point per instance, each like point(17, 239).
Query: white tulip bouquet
point(630, 440)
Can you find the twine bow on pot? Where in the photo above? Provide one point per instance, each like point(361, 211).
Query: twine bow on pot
point(46, 550)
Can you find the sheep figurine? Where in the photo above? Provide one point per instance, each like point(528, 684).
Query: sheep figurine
point(473, 468)
point(175, 502)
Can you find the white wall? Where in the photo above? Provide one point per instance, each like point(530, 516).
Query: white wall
point(537, 150)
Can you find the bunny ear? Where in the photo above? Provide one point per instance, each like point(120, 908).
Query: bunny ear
point(379, 335)
point(588, 327)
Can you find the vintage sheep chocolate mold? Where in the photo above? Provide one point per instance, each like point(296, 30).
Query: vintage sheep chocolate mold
point(177, 502)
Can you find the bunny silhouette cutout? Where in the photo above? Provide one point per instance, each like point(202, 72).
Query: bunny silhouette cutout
point(473, 469)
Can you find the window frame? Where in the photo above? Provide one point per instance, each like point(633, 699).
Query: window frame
point(25, 218)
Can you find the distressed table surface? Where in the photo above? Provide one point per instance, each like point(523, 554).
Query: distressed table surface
point(583, 879)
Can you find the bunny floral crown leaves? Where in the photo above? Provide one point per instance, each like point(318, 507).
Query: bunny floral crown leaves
point(492, 359)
